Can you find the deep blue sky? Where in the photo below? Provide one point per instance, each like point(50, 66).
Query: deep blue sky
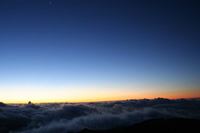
point(108, 43)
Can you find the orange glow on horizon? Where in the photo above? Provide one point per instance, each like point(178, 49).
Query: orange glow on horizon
point(92, 96)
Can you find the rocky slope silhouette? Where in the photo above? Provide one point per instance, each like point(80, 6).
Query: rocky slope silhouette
point(156, 126)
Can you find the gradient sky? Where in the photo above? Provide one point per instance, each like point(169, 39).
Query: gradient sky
point(98, 50)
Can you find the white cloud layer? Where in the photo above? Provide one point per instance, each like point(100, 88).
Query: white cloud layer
point(66, 117)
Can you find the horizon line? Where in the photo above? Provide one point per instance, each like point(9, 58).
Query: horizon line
point(100, 100)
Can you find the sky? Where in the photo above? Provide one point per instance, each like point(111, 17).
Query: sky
point(98, 50)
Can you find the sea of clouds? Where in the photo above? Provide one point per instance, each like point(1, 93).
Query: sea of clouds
point(73, 117)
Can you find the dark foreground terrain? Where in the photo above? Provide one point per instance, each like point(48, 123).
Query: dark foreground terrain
point(156, 126)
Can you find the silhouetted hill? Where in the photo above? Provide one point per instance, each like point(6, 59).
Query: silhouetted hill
point(2, 104)
point(31, 105)
point(156, 126)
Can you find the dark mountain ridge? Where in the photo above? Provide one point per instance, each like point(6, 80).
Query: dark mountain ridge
point(177, 125)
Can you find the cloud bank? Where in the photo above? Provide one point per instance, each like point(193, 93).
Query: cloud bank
point(73, 117)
